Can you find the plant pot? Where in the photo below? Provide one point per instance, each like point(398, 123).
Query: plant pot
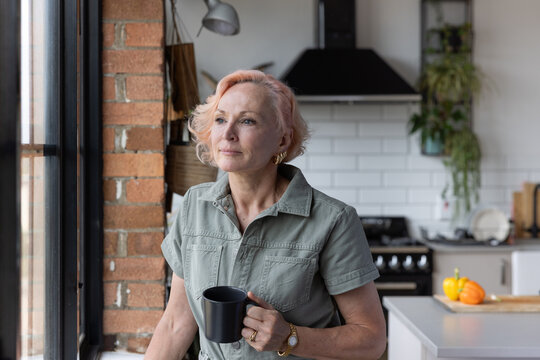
point(433, 146)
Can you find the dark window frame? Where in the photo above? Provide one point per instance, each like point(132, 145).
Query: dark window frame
point(60, 152)
point(91, 170)
point(9, 180)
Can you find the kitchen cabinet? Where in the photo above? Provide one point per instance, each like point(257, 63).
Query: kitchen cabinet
point(491, 268)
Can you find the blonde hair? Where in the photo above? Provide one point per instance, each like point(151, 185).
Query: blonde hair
point(283, 103)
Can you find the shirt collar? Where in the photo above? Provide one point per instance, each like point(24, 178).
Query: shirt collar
point(296, 200)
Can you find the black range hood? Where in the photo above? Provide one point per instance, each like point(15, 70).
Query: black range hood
point(339, 72)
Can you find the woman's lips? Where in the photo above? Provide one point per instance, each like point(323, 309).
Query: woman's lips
point(229, 152)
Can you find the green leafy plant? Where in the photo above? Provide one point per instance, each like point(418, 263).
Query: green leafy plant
point(463, 162)
point(448, 83)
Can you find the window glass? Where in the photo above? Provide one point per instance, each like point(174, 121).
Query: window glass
point(33, 180)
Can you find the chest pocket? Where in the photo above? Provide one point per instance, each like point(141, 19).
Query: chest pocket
point(286, 281)
point(202, 267)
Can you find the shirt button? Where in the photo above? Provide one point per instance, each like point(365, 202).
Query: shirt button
point(236, 345)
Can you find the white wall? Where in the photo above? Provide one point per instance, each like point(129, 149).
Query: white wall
point(362, 153)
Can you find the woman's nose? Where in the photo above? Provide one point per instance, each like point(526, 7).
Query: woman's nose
point(230, 132)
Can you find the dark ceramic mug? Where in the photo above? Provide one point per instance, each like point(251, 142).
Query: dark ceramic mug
point(224, 309)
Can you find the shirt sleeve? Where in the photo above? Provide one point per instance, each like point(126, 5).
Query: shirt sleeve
point(346, 262)
point(172, 246)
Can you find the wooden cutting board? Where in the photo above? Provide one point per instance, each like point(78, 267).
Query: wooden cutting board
point(508, 303)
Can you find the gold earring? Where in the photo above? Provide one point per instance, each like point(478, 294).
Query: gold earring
point(278, 159)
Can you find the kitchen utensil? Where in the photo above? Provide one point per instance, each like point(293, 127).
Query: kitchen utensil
point(488, 224)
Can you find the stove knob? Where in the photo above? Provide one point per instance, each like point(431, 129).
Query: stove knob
point(379, 263)
point(394, 263)
point(423, 263)
point(408, 264)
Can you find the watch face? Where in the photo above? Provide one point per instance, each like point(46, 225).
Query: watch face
point(293, 340)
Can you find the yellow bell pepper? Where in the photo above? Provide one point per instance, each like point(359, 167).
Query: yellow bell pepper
point(453, 285)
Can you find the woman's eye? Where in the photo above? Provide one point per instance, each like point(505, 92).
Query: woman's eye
point(220, 120)
point(248, 121)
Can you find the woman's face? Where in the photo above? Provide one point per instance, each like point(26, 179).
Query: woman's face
point(245, 132)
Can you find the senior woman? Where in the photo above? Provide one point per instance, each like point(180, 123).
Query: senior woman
point(261, 227)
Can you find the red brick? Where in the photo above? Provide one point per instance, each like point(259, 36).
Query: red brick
point(108, 35)
point(133, 9)
point(130, 321)
point(133, 217)
point(109, 88)
point(144, 138)
point(146, 295)
point(110, 243)
point(148, 243)
point(133, 61)
point(144, 88)
point(138, 344)
point(109, 190)
point(151, 268)
point(110, 290)
point(132, 113)
point(145, 190)
point(144, 34)
point(108, 139)
point(133, 165)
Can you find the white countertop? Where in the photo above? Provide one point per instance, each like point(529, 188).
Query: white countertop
point(448, 334)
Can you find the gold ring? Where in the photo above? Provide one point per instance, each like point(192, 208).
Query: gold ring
point(252, 337)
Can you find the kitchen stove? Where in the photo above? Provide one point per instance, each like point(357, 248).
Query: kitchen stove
point(404, 263)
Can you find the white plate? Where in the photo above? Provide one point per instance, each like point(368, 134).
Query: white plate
point(489, 224)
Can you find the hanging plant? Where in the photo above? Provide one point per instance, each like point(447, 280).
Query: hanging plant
point(463, 163)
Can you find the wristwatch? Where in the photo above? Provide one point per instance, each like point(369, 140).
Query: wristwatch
point(292, 341)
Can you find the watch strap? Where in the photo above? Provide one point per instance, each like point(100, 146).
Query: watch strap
point(289, 348)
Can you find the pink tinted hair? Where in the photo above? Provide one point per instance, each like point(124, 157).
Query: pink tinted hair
point(284, 104)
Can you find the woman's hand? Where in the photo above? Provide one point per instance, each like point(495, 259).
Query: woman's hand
point(272, 329)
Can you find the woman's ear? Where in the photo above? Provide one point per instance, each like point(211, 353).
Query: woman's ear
point(286, 141)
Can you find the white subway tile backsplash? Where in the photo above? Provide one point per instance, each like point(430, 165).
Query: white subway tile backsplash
point(318, 179)
point(357, 112)
point(358, 179)
point(333, 129)
point(495, 195)
point(395, 146)
point(346, 195)
point(523, 162)
point(382, 196)
point(407, 179)
point(315, 112)
point(331, 162)
point(363, 155)
point(396, 112)
point(357, 146)
point(300, 162)
point(367, 210)
point(503, 178)
point(412, 211)
point(382, 162)
point(425, 163)
point(379, 128)
point(319, 146)
point(423, 196)
point(439, 179)
point(534, 177)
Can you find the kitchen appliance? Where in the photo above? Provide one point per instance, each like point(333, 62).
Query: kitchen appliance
point(404, 263)
point(338, 71)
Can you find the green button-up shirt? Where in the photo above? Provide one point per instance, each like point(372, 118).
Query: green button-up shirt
point(295, 255)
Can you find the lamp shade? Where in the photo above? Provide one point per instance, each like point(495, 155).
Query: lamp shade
point(221, 18)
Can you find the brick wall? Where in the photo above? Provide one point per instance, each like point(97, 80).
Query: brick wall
point(133, 174)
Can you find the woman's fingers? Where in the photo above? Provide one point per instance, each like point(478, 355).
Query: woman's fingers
point(259, 301)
